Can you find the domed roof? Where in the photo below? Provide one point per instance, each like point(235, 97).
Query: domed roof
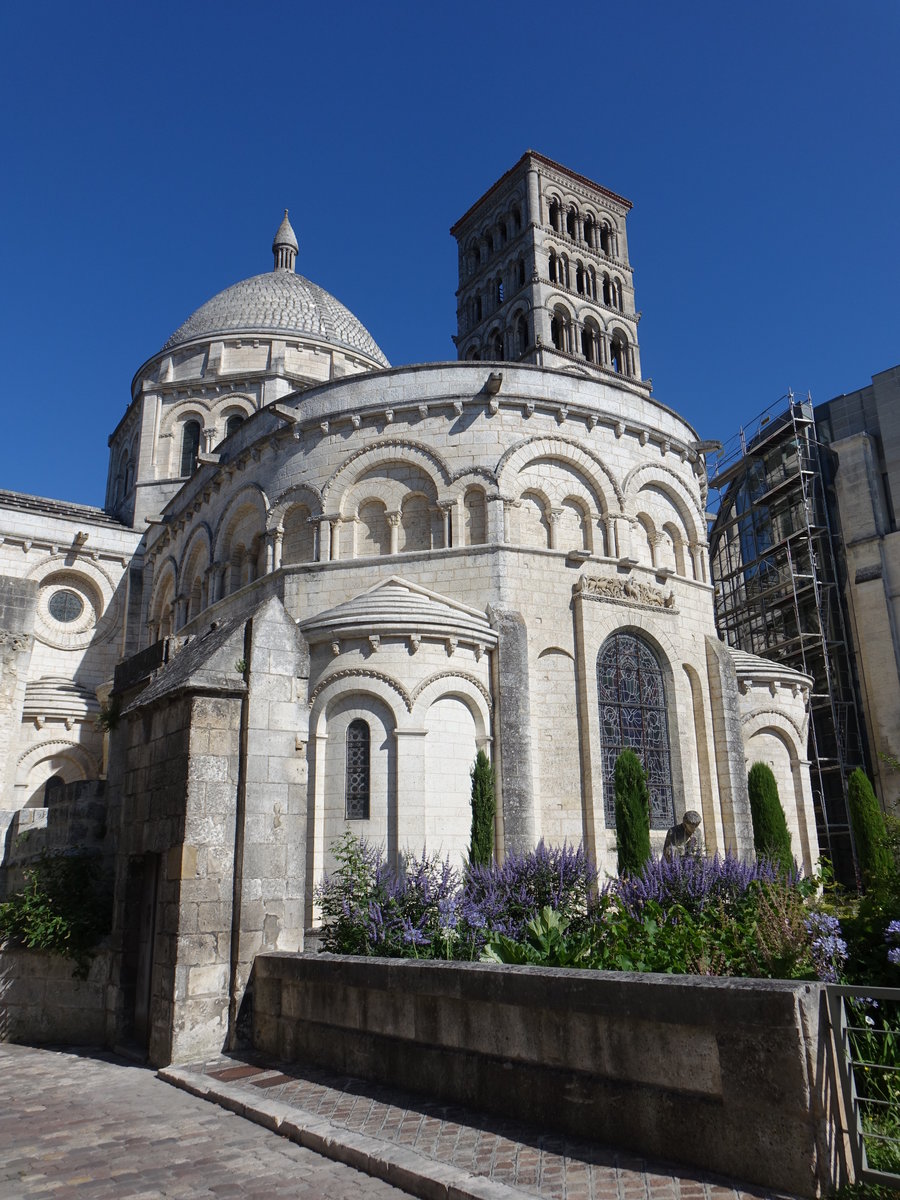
point(279, 303)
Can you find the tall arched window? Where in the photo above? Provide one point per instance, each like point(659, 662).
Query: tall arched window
point(357, 787)
point(190, 446)
point(633, 716)
point(234, 422)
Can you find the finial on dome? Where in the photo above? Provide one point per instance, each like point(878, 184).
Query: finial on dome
point(285, 246)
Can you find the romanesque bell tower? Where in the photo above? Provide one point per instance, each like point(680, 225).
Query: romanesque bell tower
point(544, 275)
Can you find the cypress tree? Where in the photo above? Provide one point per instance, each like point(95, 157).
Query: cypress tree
point(873, 855)
point(481, 848)
point(771, 837)
point(632, 814)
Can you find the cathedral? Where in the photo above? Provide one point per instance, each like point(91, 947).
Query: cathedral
point(319, 584)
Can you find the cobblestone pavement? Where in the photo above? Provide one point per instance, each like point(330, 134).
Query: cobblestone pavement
point(437, 1149)
point(98, 1128)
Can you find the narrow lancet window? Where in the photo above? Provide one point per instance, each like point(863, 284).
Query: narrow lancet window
point(357, 795)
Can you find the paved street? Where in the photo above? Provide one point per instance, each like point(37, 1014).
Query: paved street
point(96, 1128)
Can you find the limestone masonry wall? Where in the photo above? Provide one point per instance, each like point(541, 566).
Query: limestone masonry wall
point(728, 1075)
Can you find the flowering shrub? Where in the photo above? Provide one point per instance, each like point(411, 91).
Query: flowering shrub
point(694, 882)
point(829, 950)
point(892, 937)
point(429, 911)
point(713, 916)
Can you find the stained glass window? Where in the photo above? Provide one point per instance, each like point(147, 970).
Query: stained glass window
point(357, 799)
point(633, 716)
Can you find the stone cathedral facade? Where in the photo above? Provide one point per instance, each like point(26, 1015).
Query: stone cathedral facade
point(320, 583)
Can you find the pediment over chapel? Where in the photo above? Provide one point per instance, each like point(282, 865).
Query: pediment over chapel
point(397, 606)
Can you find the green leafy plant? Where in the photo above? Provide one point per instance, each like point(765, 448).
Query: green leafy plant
point(240, 665)
point(870, 838)
point(548, 942)
point(109, 714)
point(632, 799)
point(771, 838)
point(65, 907)
point(481, 847)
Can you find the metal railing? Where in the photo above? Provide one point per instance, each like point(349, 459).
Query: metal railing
point(866, 1024)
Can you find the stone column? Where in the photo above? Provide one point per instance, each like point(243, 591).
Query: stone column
point(324, 539)
point(411, 794)
point(534, 199)
point(335, 538)
point(447, 521)
point(394, 522)
point(555, 516)
point(494, 519)
point(179, 611)
point(277, 546)
point(513, 724)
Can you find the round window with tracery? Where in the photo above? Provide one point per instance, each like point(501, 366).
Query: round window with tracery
point(65, 606)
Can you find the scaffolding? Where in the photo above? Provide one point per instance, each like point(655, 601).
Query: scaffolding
point(777, 568)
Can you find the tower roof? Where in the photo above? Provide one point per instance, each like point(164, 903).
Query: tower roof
point(285, 235)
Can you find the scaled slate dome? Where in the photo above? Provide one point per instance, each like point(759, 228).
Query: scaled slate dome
point(279, 301)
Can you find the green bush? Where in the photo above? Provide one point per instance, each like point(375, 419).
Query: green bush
point(481, 847)
point(65, 907)
point(771, 838)
point(873, 854)
point(632, 814)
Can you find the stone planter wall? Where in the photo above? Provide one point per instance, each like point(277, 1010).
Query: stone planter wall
point(732, 1076)
point(41, 1001)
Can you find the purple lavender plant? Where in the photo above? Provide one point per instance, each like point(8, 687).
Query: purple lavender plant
point(503, 899)
point(828, 948)
point(693, 883)
point(892, 937)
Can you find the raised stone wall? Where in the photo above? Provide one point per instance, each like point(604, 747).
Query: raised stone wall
point(728, 1075)
point(41, 1000)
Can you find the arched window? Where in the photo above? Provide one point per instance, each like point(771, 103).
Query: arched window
point(570, 222)
point(633, 717)
point(560, 329)
point(520, 272)
point(554, 215)
point(579, 278)
point(618, 354)
point(605, 238)
point(356, 801)
point(53, 790)
point(498, 291)
point(553, 268)
point(517, 219)
point(235, 421)
point(496, 347)
point(521, 335)
point(589, 230)
point(590, 341)
point(190, 446)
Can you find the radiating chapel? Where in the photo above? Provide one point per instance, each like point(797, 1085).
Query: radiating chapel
point(319, 584)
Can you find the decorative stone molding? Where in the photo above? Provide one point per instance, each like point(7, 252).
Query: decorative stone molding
point(624, 591)
point(362, 673)
point(476, 683)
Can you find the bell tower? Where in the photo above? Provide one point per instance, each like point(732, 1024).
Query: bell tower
point(544, 275)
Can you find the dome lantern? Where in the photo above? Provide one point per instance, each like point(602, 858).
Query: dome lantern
point(285, 246)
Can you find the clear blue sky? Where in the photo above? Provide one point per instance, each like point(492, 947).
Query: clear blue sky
point(148, 151)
